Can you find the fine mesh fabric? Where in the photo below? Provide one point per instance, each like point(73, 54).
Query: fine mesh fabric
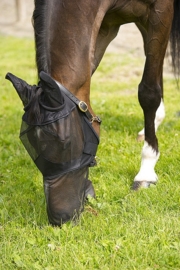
point(62, 143)
point(70, 188)
point(56, 147)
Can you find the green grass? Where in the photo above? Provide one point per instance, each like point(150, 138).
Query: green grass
point(120, 230)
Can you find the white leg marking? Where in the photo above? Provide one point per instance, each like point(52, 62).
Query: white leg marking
point(148, 162)
point(160, 115)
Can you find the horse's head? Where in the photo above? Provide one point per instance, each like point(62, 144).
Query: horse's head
point(62, 143)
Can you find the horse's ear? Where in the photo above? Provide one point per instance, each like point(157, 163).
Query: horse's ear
point(51, 90)
point(23, 89)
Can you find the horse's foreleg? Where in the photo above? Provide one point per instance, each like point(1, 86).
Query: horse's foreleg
point(160, 113)
point(150, 94)
point(149, 98)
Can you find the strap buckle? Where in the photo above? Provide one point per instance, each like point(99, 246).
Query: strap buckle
point(83, 106)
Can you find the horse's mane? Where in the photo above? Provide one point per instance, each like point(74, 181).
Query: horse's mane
point(40, 32)
point(39, 21)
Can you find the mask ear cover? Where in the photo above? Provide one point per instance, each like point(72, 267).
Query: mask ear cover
point(24, 90)
point(51, 90)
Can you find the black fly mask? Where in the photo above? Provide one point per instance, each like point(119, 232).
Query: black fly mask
point(60, 139)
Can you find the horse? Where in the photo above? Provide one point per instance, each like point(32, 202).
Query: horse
point(59, 129)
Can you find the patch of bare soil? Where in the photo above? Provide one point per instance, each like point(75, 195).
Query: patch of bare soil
point(14, 23)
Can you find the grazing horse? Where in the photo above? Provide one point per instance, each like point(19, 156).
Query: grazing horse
point(60, 130)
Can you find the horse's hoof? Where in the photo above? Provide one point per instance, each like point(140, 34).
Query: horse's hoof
point(140, 137)
point(142, 184)
point(89, 190)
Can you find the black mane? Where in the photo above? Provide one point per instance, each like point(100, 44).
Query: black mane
point(40, 32)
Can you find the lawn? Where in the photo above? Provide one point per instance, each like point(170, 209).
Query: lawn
point(121, 229)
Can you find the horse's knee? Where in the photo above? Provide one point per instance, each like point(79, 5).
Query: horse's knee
point(149, 96)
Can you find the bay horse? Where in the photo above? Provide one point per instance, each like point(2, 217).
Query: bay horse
point(60, 130)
